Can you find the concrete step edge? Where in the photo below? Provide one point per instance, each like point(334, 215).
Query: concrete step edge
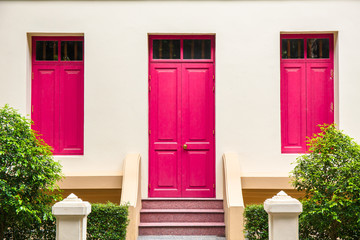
point(182, 224)
point(182, 210)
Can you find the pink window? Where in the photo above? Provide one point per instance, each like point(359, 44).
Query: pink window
point(57, 96)
point(307, 87)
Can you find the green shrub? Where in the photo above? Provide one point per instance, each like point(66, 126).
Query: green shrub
point(256, 222)
point(28, 173)
point(107, 222)
point(41, 231)
point(330, 177)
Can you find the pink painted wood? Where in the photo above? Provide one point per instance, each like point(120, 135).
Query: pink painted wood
point(198, 163)
point(165, 127)
point(58, 100)
point(293, 107)
point(307, 95)
point(181, 111)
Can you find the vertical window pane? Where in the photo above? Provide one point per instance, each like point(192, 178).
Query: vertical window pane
point(47, 50)
point(71, 50)
point(318, 48)
point(166, 49)
point(292, 48)
point(197, 49)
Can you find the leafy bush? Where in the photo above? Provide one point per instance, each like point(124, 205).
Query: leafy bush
point(41, 231)
point(330, 177)
point(256, 222)
point(28, 173)
point(107, 222)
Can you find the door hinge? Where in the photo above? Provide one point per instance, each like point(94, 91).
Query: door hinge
point(213, 88)
point(213, 132)
point(149, 77)
point(32, 108)
point(149, 88)
point(214, 185)
point(149, 186)
point(32, 76)
point(332, 107)
point(213, 77)
point(149, 132)
point(331, 74)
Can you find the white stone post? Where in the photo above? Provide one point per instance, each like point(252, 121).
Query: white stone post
point(283, 212)
point(71, 218)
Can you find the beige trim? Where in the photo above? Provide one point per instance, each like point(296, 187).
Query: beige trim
point(266, 183)
point(91, 182)
point(131, 193)
point(233, 198)
point(45, 34)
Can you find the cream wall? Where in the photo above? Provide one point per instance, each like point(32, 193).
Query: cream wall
point(116, 69)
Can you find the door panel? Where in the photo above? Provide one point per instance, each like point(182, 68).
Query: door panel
point(197, 130)
point(71, 109)
point(181, 112)
point(293, 101)
point(164, 162)
point(319, 96)
point(44, 100)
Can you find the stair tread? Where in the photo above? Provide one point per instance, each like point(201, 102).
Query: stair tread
point(182, 210)
point(182, 224)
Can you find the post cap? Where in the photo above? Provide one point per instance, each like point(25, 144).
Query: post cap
point(282, 203)
point(71, 206)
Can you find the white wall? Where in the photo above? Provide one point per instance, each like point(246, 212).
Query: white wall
point(116, 69)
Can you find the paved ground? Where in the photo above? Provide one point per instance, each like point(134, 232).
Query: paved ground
point(180, 238)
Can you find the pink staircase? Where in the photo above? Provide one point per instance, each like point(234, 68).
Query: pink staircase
point(182, 217)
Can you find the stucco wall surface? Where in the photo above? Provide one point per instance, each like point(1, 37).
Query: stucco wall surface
point(116, 71)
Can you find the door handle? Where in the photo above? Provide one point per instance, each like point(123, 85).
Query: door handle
point(185, 147)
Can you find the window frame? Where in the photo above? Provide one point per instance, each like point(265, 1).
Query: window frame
point(59, 136)
point(305, 111)
point(182, 38)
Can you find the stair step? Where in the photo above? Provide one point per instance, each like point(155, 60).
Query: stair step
point(182, 203)
point(183, 224)
point(181, 215)
point(179, 210)
point(189, 228)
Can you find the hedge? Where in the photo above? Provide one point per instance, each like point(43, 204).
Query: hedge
point(256, 222)
point(310, 226)
point(105, 222)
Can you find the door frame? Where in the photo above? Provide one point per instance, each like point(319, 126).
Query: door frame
point(181, 37)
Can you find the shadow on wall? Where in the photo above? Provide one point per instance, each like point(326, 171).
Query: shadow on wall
point(258, 196)
point(95, 195)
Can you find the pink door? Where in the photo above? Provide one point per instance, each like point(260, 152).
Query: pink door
point(307, 87)
point(181, 128)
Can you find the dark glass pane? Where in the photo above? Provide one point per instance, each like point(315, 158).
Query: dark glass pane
point(166, 49)
point(47, 50)
point(197, 49)
point(318, 48)
point(71, 50)
point(292, 48)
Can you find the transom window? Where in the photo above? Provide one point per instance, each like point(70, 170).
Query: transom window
point(305, 48)
point(48, 50)
point(182, 48)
